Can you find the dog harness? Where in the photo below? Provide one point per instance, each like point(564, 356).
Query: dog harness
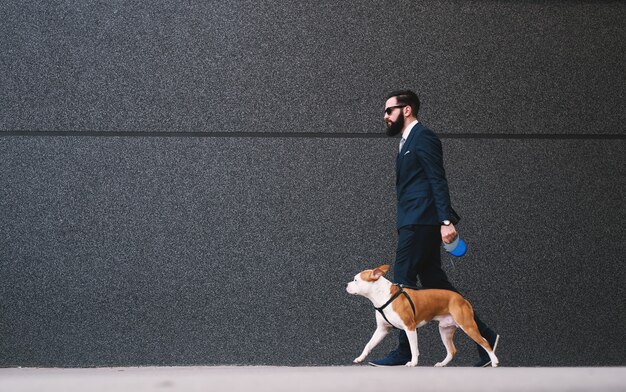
point(396, 295)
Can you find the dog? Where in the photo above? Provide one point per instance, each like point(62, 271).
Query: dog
point(409, 309)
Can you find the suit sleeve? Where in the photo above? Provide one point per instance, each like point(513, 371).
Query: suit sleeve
point(430, 155)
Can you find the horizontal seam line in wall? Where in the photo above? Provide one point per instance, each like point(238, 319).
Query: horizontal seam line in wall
point(306, 135)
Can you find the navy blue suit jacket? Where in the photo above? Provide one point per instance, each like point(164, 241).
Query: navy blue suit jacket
point(421, 185)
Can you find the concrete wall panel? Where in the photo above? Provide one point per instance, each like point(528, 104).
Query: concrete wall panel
point(246, 66)
point(136, 251)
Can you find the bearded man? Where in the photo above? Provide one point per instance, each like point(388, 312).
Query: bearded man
point(425, 217)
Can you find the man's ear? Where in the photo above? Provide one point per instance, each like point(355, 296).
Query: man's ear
point(380, 271)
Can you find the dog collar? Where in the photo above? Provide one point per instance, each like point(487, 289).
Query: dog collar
point(393, 297)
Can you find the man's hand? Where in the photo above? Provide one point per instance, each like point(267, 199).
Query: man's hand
point(448, 233)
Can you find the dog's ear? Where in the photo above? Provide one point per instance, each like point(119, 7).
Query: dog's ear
point(380, 271)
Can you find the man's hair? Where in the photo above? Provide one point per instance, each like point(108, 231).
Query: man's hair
point(406, 97)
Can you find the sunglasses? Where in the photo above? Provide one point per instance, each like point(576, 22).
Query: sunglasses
point(390, 108)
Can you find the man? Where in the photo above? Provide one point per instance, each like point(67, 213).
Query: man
point(425, 216)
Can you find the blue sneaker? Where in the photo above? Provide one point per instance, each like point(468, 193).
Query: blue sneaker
point(394, 358)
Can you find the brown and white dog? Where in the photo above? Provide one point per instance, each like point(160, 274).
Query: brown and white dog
point(447, 307)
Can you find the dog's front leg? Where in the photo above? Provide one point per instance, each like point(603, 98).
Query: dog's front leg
point(412, 336)
point(379, 334)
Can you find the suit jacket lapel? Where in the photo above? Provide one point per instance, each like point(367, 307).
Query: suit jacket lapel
point(405, 148)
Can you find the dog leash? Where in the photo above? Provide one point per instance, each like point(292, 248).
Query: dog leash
point(396, 295)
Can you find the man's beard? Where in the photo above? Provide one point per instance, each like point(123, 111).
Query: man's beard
point(395, 127)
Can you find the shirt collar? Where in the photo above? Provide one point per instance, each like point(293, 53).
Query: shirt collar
point(407, 131)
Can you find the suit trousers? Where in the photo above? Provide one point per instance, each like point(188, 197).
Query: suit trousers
point(419, 255)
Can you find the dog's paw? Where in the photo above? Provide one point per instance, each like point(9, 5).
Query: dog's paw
point(358, 360)
point(440, 364)
point(411, 364)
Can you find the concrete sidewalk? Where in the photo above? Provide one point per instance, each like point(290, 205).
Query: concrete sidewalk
point(353, 378)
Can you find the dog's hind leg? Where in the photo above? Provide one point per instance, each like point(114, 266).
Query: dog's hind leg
point(464, 317)
point(447, 337)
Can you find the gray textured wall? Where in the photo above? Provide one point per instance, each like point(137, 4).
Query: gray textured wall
point(194, 182)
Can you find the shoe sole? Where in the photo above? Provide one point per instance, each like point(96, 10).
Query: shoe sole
point(495, 346)
point(377, 365)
